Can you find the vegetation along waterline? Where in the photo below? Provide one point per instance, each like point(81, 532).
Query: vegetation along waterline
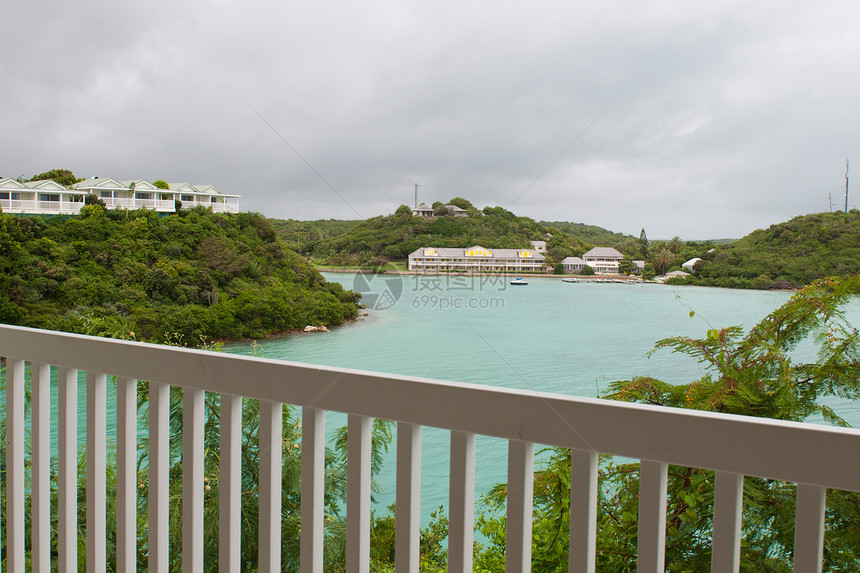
point(185, 278)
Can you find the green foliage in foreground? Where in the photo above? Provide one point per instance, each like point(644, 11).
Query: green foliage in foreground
point(187, 277)
point(752, 374)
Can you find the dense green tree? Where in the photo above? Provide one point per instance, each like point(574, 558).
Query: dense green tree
point(62, 176)
point(161, 184)
point(195, 276)
point(461, 203)
point(662, 259)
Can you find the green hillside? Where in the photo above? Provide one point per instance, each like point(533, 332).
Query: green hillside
point(185, 278)
point(393, 237)
point(789, 254)
point(591, 234)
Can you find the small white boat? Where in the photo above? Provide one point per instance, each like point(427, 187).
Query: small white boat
point(570, 280)
point(519, 281)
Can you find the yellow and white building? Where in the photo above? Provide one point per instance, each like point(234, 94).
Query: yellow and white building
point(476, 259)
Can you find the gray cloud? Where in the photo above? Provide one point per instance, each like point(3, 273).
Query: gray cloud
point(718, 119)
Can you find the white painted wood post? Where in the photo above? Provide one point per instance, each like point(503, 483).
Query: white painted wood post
point(583, 511)
point(271, 448)
point(728, 511)
point(461, 510)
point(67, 502)
point(651, 549)
point(358, 494)
point(126, 475)
point(230, 485)
point(40, 481)
point(96, 478)
point(159, 487)
point(518, 535)
point(809, 528)
point(192, 480)
point(15, 465)
point(313, 490)
point(407, 520)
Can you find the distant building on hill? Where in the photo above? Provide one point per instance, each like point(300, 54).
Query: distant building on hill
point(477, 259)
point(50, 198)
point(539, 246)
point(423, 210)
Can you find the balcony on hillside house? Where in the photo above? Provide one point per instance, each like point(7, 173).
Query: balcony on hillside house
point(732, 446)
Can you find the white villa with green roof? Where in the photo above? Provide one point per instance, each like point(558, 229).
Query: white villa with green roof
point(478, 259)
point(51, 198)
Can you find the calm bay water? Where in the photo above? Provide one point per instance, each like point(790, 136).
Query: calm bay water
point(548, 336)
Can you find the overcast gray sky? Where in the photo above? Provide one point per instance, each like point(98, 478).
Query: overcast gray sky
point(704, 120)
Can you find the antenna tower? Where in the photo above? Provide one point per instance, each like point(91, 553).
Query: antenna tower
point(846, 185)
point(416, 195)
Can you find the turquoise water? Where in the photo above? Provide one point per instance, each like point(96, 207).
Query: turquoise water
point(548, 336)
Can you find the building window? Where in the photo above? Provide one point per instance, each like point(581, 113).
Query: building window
point(139, 195)
point(49, 197)
point(106, 194)
point(4, 195)
point(187, 198)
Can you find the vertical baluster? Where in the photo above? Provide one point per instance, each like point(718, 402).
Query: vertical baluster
point(40, 388)
point(518, 535)
point(407, 528)
point(192, 480)
point(583, 510)
point(126, 475)
point(728, 510)
point(652, 517)
point(15, 465)
point(96, 490)
point(461, 503)
point(313, 489)
point(230, 485)
point(67, 502)
point(159, 492)
point(271, 448)
point(358, 494)
point(809, 528)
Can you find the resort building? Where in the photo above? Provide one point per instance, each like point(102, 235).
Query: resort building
point(539, 246)
point(573, 265)
point(604, 260)
point(476, 259)
point(51, 198)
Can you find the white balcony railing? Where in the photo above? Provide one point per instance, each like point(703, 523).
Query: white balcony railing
point(821, 457)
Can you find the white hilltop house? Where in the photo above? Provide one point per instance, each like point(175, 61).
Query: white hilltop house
point(51, 198)
point(604, 260)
